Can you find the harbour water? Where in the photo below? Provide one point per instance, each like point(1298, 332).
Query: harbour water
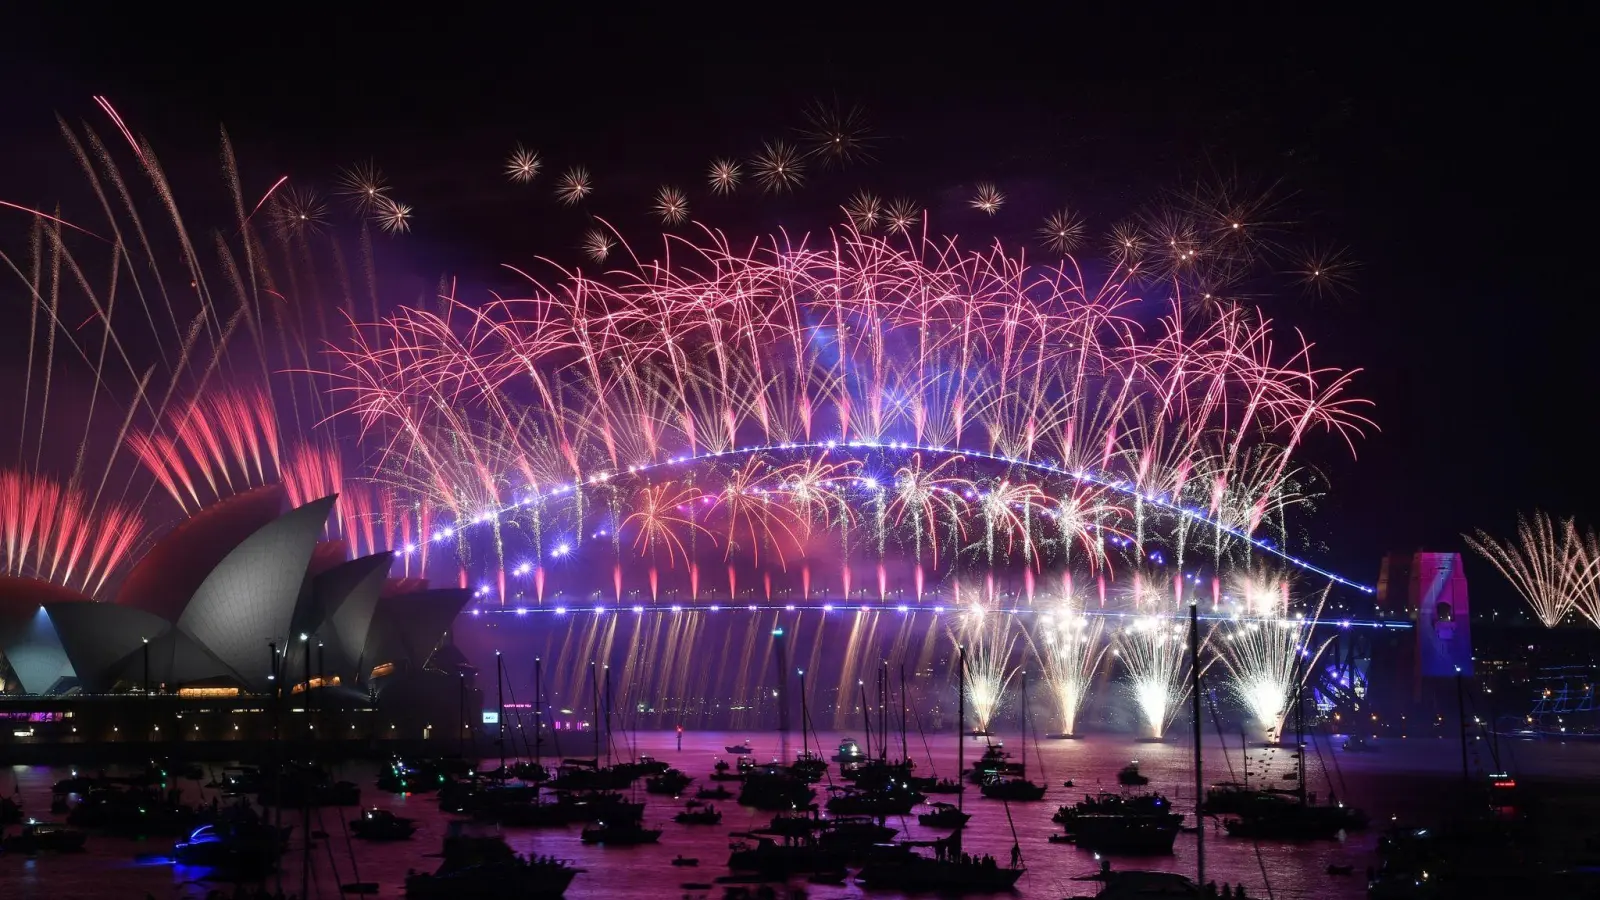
point(1413, 780)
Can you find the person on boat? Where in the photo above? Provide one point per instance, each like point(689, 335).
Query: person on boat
point(1016, 855)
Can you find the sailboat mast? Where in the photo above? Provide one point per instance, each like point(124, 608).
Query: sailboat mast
point(611, 700)
point(866, 715)
point(883, 712)
point(538, 713)
point(500, 704)
point(805, 716)
point(1199, 771)
point(961, 728)
point(905, 755)
point(594, 704)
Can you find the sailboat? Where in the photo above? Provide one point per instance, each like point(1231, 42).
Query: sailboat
point(1017, 787)
point(1296, 817)
point(952, 871)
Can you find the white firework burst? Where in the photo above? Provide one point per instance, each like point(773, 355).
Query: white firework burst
point(392, 216)
point(523, 165)
point(987, 198)
point(362, 185)
point(838, 136)
point(865, 210)
point(1062, 231)
point(725, 175)
point(297, 211)
point(671, 205)
point(901, 215)
point(574, 186)
point(778, 167)
point(597, 244)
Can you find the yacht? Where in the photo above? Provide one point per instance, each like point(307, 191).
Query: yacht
point(849, 751)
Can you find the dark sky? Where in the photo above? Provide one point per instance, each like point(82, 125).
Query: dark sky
point(1443, 150)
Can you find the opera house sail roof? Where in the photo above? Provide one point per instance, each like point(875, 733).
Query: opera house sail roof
point(210, 599)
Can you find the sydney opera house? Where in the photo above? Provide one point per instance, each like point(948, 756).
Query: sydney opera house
point(242, 605)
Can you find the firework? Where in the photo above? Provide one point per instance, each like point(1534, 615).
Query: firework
point(392, 216)
point(363, 186)
point(574, 186)
point(1153, 651)
point(671, 206)
point(725, 175)
point(865, 210)
point(1325, 271)
point(598, 244)
point(1268, 657)
point(298, 211)
point(1188, 434)
point(1550, 564)
point(778, 167)
point(987, 198)
point(57, 534)
point(1062, 231)
point(838, 136)
point(989, 638)
point(901, 215)
point(1071, 647)
point(523, 165)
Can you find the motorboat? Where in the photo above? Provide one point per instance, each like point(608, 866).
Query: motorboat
point(1129, 776)
point(737, 749)
point(39, 836)
point(620, 834)
point(919, 873)
point(240, 847)
point(484, 868)
point(944, 815)
point(1013, 789)
point(383, 825)
point(849, 751)
point(705, 815)
point(671, 783)
point(1296, 820)
point(717, 793)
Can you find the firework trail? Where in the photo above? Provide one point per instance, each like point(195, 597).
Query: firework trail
point(1071, 647)
point(1269, 657)
point(990, 638)
point(747, 363)
point(1550, 564)
point(1154, 651)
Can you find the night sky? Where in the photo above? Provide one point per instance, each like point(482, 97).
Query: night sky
point(1443, 152)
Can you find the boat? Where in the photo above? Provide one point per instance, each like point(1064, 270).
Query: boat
point(1137, 885)
point(38, 836)
point(995, 761)
point(626, 833)
point(1062, 736)
point(950, 871)
point(809, 766)
point(919, 873)
point(849, 751)
point(681, 860)
point(773, 788)
point(1295, 820)
point(890, 800)
point(1233, 798)
point(1129, 775)
point(241, 847)
point(737, 749)
point(1109, 823)
point(717, 793)
point(484, 868)
point(403, 776)
point(1358, 744)
point(10, 811)
point(1297, 816)
point(939, 786)
point(1017, 786)
point(944, 815)
point(671, 783)
point(721, 771)
point(707, 815)
point(383, 825)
